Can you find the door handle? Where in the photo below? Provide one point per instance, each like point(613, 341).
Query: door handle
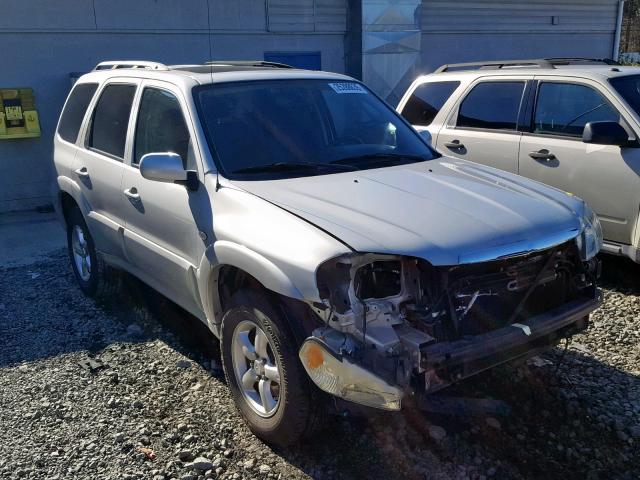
point(132, 193)
point(545, 155)
point(82, 172)
point(455, 145)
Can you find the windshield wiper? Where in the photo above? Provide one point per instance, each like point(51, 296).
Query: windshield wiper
point(379, 157)
point(287, 166)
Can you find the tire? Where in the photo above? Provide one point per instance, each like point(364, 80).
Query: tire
point(96, 279)
point(294, 415)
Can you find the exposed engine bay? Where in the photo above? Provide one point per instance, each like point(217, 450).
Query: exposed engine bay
point(387, 313)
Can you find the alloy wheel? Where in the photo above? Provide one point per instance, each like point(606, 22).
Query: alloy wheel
point(81, 255)
point(256, 368)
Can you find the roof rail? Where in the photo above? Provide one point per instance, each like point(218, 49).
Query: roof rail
point(549, 63)
point(117, 64)
point(540, 63)
point(248, 63)
point(580, 60)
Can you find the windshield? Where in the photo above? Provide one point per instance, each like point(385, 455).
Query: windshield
point(629, 88)
point(279, 128)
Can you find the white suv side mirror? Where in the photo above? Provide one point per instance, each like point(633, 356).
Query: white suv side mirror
point(162, 167)
point(167, 167)
point(426, 136)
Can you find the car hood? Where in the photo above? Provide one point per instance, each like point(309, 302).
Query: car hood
point(446, 211)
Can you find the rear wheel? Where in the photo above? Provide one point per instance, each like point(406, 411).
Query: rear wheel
point(264, 374)
point(95, 278)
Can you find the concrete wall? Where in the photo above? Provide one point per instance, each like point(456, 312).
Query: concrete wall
point(44, 41)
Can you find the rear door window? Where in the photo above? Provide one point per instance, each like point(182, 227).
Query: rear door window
point(565, 108)
point(74, 111)
point(492, 105)
point(426, 101)
point(111, 119)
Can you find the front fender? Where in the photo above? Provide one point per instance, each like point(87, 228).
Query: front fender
point(226, 253)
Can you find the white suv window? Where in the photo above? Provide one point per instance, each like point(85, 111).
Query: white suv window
point(426, 101)
point(492, 105)
point(161, 127)
point(110, 120)
point(565, 108)
point(74, 111)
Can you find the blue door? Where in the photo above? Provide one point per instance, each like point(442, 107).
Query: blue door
point(306, 60)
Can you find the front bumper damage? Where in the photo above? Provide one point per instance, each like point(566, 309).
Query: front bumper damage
point(443, 363)
point(446, 363)
point(377, 351)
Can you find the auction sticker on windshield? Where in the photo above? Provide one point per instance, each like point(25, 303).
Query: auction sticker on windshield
point(347, 87)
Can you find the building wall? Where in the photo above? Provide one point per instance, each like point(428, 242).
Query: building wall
point(451, 31)
point(515, 29)
point(388, 43)
point(44, 41)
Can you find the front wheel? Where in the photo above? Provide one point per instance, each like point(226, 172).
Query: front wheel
point(95, 278)
point(264, 374)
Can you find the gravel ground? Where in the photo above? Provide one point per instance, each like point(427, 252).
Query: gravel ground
point(132, 389)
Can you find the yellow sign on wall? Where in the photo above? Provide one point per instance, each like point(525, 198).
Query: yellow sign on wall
point(18, 114)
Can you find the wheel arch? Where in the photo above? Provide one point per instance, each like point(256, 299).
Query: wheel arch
point(227, 268)
point(67, 203)
point(67, 197)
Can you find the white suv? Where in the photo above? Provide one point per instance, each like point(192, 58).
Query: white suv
point(570, 123)
point(318, 236)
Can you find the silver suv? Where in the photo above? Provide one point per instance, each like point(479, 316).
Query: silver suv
point(315, 233)
point(570, 123)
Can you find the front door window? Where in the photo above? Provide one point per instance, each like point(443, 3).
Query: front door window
point(564, 109)
point(161, 128)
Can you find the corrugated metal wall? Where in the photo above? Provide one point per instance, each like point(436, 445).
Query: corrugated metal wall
point(43, 41)
point(307, 15)
point(519, 16)
point(514, 29)
point(331, 15)
point(473, 30)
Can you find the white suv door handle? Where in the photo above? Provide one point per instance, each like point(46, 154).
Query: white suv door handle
point(132, 193)
point(82, 172)
point(544, 155)
point(455, 145)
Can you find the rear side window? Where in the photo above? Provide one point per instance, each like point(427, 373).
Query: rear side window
point(492, 105)
point(161, 127)
point(426, 101)
point(74, 111)
point(565, 109)
point(111, 119)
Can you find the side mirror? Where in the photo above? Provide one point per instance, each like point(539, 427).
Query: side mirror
point(167, 167)
point(426, 136)
point(605, 133)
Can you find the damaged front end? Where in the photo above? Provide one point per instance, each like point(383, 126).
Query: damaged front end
point(397, 325)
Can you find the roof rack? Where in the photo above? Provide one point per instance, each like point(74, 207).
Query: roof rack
point(248, 63)
point(498, 64)
point(549, 63)
point(118, 64)
point(580, 60)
